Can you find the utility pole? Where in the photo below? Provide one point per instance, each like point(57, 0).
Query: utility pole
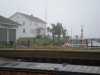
point(71, 38)
point(82, 32)
point(82, 35)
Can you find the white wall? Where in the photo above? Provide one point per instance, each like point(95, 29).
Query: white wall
point(29, 26)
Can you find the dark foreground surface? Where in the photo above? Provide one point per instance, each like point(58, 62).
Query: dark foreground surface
point(12, 67)
point(78, 57)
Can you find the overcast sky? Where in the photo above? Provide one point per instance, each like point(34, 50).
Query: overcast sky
point(72, 13)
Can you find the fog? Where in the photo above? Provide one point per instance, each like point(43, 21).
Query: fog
point(72, 13)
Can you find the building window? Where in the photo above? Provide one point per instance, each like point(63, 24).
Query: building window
point(24, 30)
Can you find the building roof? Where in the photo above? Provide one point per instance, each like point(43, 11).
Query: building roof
point(7, 21)
point(31, 17)
point(50, 67)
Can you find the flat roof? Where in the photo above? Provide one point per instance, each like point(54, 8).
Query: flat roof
point(49, 67)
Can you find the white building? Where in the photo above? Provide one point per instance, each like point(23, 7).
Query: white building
point(31, 26)
point(7, 30)
point(94, 43)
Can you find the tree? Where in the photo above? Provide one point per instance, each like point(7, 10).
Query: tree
point(60, 31)
point(52, 30)
point(57, 30)
point(64, 33)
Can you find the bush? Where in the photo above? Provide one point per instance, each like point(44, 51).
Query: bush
point(45, 41)
point(58, 42)
point(41, 42)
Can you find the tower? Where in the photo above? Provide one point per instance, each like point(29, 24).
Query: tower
point(82, 36)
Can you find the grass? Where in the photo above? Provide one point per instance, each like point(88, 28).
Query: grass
point(7, 46)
